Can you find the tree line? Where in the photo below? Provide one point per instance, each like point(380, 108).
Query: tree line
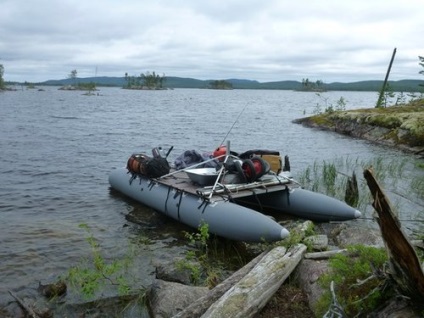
point(220, 85)
point(308, 85)
point(155, 81)
point(145, 81)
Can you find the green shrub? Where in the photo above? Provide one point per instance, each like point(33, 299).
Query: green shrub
point(359, 278)
point(92, 274)
point(213, 255)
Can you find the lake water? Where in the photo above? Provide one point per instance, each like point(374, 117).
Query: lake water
point(57, 148)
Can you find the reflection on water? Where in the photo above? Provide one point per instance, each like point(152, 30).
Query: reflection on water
point(57, 148)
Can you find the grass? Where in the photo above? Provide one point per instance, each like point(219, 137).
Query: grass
point(331, 178)
point(359, 276)
point(211, 257)
point(298, 234)
point(360, 281)
point(93, 274)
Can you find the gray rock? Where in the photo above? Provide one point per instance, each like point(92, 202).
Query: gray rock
point(307, 274)
point(359, 234)
point(178, 270)
point(166, 299)
point(317, 242)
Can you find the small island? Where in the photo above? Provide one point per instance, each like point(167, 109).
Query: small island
point(308, 86)
point(220, 84)
point(148, 81)
point(76, 86)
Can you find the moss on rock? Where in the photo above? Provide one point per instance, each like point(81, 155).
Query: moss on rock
point(402, 126)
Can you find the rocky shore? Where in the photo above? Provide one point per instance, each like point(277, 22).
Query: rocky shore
point(299, 296)
point(172, 290)
point(303, 286)
point(396, 126)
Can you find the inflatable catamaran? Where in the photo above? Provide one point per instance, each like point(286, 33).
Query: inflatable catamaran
point(228, 191)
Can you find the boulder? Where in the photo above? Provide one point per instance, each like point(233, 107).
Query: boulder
point(307, 273)
point(317, 242)
point(166, 299)
point(178, 270)
point(359, 234)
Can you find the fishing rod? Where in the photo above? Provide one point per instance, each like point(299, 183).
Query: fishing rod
point(233, 125)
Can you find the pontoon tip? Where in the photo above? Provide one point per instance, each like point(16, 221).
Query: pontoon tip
point(358, 214)
point(284, 233)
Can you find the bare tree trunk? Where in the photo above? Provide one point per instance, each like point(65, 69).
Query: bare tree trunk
point(404, 264)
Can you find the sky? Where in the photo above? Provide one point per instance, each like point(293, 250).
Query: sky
point(268, 40)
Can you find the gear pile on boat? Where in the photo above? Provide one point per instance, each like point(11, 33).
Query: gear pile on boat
point(231, 192)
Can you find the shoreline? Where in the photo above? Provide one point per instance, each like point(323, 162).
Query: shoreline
point(400, 127)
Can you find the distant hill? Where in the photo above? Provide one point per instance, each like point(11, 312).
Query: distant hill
point(398, 86)
point(100, 81)
point(181, 82)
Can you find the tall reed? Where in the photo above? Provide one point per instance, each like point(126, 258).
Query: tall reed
point(394, 175)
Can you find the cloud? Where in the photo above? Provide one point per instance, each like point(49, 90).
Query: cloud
point(265, 41)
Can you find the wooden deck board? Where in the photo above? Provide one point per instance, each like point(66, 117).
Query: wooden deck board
point(181, 181)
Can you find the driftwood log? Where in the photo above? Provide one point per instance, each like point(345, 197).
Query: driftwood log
point(324, 255)
point(197, 308)
point(405, 267)
point(24, 305)
point(253, 291)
